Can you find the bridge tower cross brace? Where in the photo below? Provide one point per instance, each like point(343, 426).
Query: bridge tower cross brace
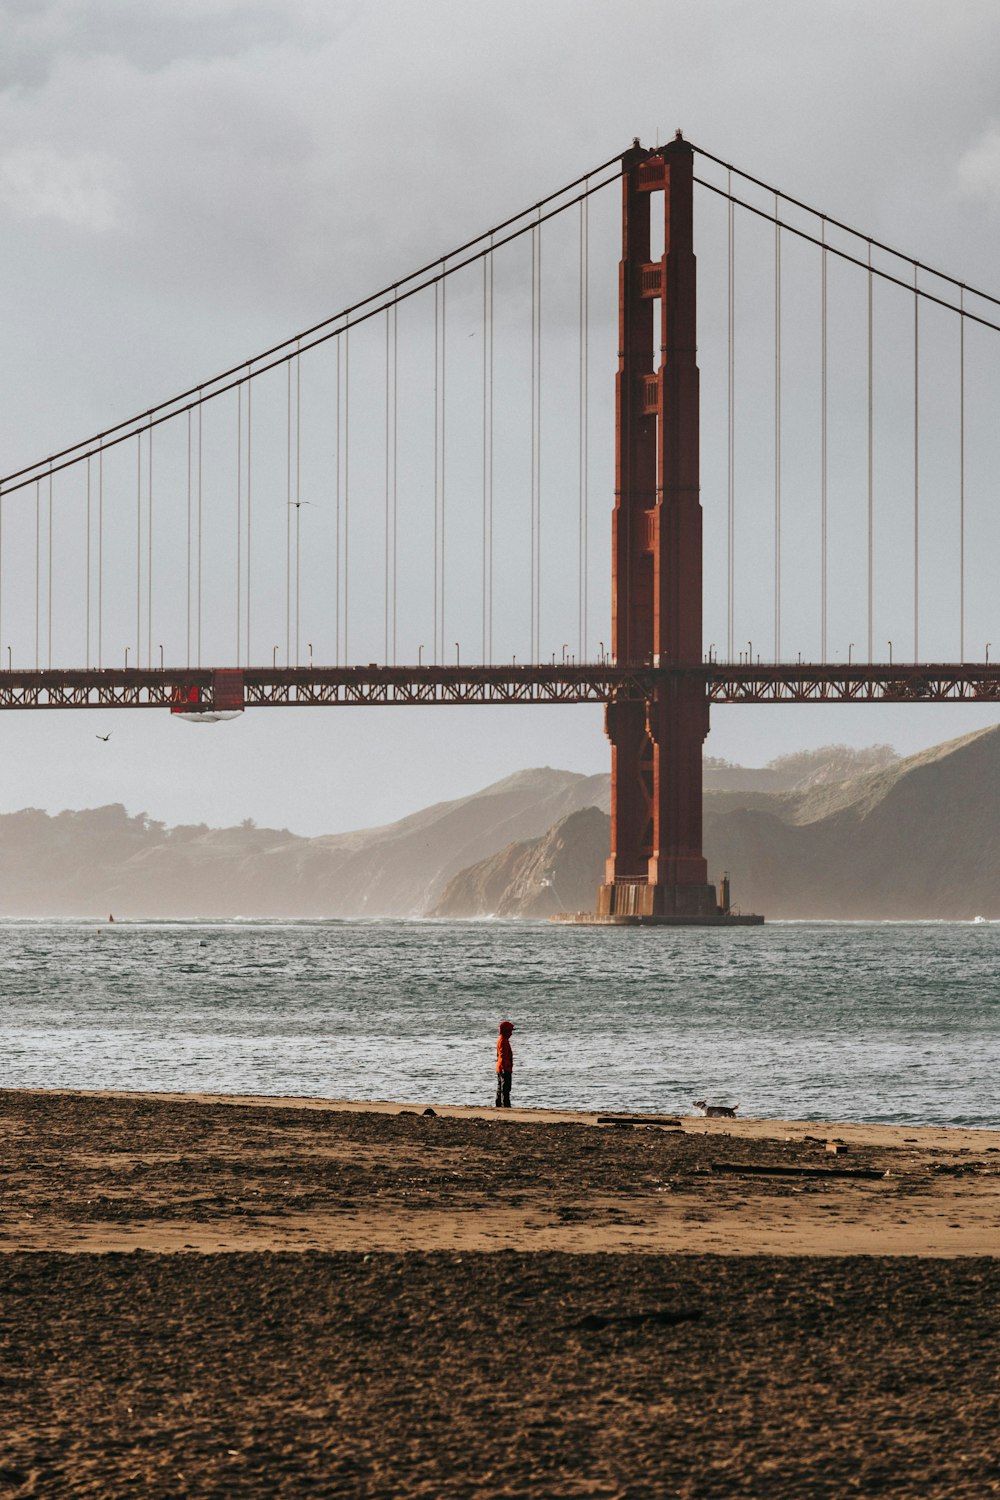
point(657, 867)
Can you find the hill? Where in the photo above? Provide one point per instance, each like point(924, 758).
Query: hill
point(913, 838)
point(93, 862)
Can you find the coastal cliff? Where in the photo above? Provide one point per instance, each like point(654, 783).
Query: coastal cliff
point(917, 838)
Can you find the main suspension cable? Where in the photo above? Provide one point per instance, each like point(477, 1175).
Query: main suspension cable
point(319, 333)
point(855, 260)
point(836, 224)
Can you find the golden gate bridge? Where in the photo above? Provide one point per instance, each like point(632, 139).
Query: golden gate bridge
point(445, 505)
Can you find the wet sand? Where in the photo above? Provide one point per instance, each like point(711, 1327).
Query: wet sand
point(483, 1303)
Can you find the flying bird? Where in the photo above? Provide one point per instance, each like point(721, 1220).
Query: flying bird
point(104, 737)
point(298, 504)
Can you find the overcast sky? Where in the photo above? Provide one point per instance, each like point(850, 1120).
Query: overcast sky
point(183, 184)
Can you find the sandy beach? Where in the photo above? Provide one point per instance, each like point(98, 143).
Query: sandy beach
point(214, 1296)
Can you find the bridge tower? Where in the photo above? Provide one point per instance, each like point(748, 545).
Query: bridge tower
point(656, 867)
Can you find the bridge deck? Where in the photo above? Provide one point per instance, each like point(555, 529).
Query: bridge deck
point(381, 686)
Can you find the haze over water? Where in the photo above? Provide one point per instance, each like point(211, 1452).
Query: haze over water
point(880, 1022)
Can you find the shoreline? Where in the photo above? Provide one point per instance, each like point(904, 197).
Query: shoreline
point(859, 1132)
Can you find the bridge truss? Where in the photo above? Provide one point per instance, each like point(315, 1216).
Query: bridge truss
point(377, 686)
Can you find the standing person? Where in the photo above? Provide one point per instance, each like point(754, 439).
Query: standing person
point(505, 1064)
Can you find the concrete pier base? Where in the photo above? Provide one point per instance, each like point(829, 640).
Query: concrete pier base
point(717, 919)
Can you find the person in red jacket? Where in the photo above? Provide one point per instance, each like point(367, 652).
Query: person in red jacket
point(505, 1064)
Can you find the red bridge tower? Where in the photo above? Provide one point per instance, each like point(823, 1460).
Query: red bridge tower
point(657, 868)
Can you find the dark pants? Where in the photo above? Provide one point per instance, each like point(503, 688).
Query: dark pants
point(503, 1090)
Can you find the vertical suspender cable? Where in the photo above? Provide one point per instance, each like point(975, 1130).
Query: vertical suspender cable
point(288, 513)
point(385, 576)
point(486, 259)
point(961, 476)
point(138, 547)
point(201, 431)
point(731, 430)
point(444, 409)
point(916, 466)
point(38, 568)
point(100, 558)
point(347, 484)
point(49, 600)
point(490, 481)
point(777, 433)
point(336, 549)
point(246, 642)
point(88, 563)
point(823, 449)
point(534, 399)
point(239, 517)
point(188, 615)
point(581, 408)
point(437, 457)
point(298, 507)
point(149, 549)
point(586, 424)
point(538, 463)
point(871, 459)
point(395, 466)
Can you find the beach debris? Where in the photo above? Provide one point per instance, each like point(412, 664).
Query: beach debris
point(670, 1121)
point(663, 1317)
point(759, 1169)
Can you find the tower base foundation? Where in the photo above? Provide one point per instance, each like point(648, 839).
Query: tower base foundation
point(720, 919)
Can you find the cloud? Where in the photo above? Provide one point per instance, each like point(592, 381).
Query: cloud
point(40, 34)
point(978, 169)
point(80, 188)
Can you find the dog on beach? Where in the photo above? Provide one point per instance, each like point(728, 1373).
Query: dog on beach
point(717, 1111)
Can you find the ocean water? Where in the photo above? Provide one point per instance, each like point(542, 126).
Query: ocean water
point(895, 1022)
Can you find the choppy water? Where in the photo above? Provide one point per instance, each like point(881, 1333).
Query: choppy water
point(882, 1022)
